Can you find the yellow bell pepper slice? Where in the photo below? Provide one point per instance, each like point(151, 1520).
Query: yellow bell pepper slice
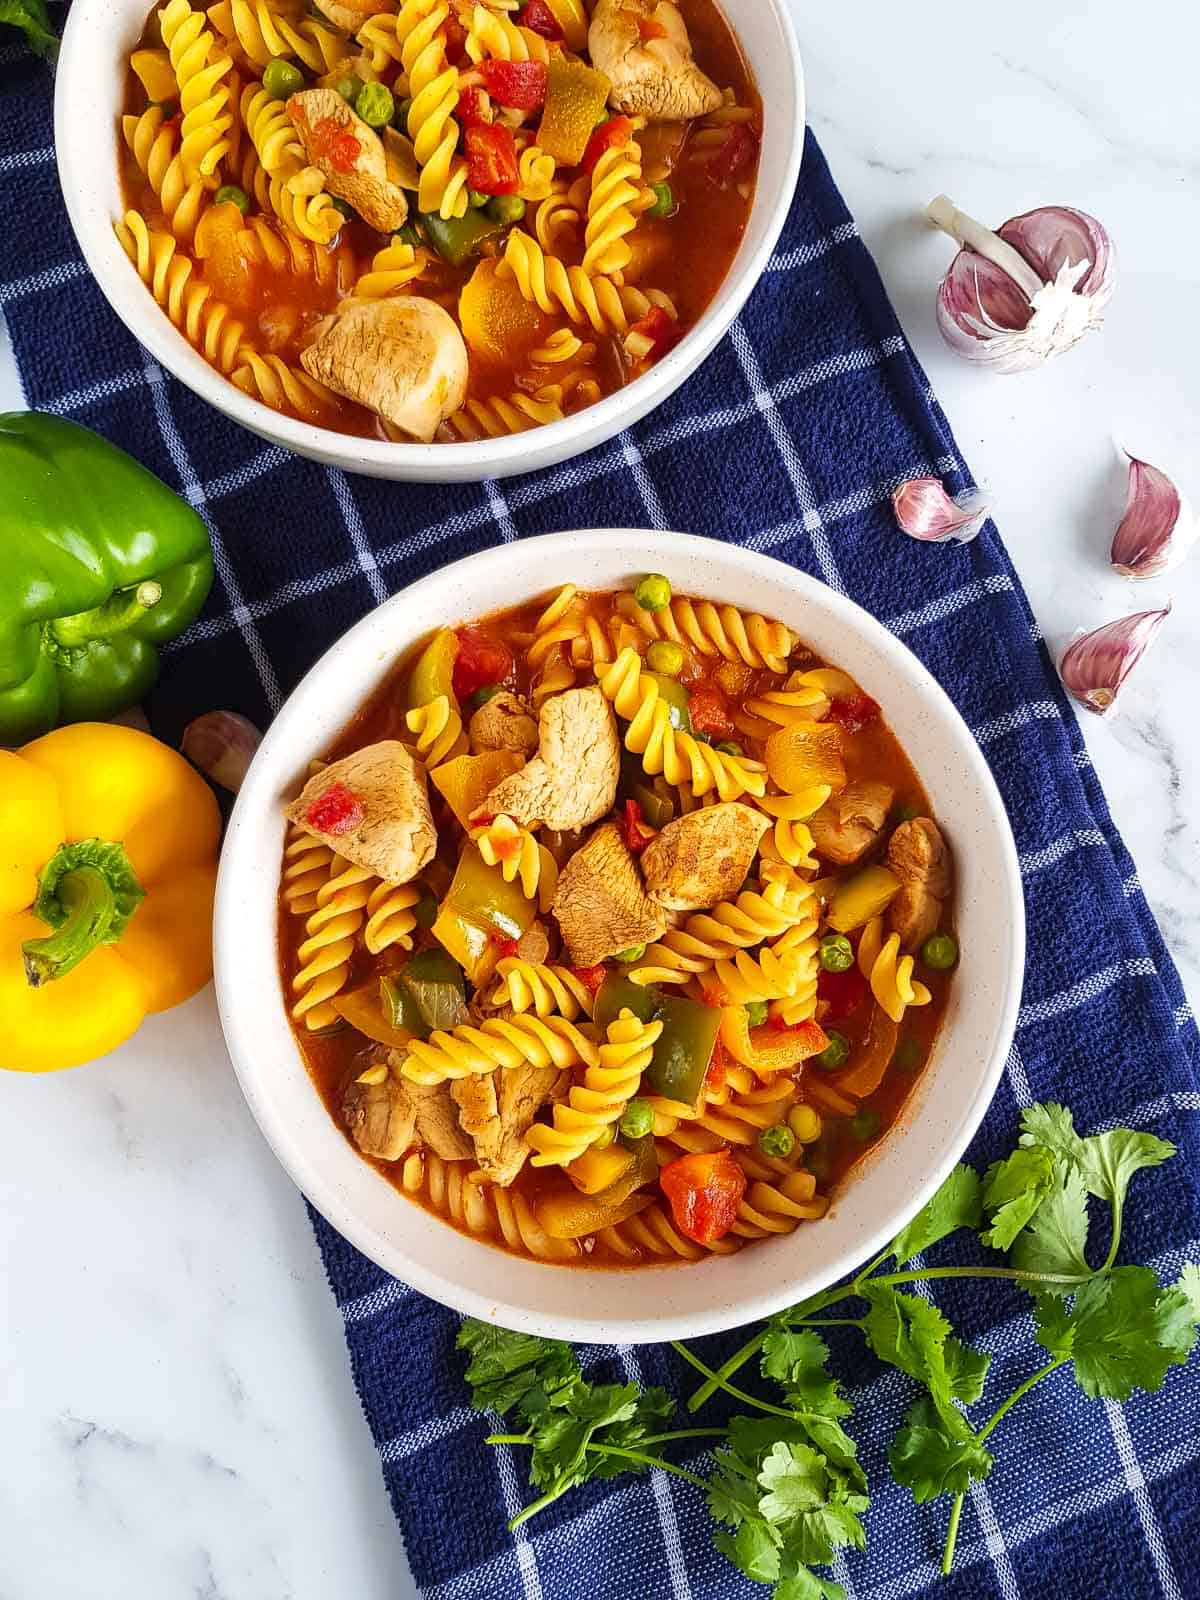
point(102, 956)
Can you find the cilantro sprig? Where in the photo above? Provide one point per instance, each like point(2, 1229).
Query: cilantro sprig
point(783, 1483)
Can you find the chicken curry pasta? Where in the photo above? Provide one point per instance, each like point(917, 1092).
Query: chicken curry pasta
point(616, 927)
point(436, 219)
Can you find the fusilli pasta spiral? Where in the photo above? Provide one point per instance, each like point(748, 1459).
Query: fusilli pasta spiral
point(203, 320)
point(546, 990)
point(616, 189)
point(547, 283)
point(204, 100)
point(439, 730)
point(491, 34)
point(499, 1042)
point(593, 1106)
point(504, 843)
point(323, 959)
point(395, 266)
point(483, 1209)
point(264, 32)
point(271, 131)
point(433, 87)
point(155, 147)
point(390, 919)
point(282, 387)
point(556, 217)
point(716, 631)
point(681, 758)
point(536, 168)
point(306, 863)
point(495, 417)
point(888, 972)
point(706, 937)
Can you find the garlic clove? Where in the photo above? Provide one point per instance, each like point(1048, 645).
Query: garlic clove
point(925, 511)
point(1095, 665)
point(1013, 298)
point(222, 744)
point(1158, 528)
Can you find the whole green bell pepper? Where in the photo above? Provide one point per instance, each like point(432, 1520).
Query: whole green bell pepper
point(100, 563)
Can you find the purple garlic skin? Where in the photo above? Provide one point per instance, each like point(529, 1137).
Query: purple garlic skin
point(1014, 298)
point(1095, 666)
point(1158, 528)
point(222, 744)
point(925, 511)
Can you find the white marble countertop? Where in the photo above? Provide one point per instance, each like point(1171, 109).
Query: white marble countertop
point(179, 1419)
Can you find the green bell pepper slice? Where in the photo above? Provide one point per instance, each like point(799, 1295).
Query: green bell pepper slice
point(684, 1049)
point(101, 565)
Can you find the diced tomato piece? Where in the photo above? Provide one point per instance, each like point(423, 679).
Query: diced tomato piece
point(337, 811)
point(492, 159)
point(812, 1034)
point(705, 1191)
point(843, 993)
point(616, 131)
point(649, 29)
point(519, 84)
point(714, 1076)
point(591, 977)
point(538, 18)
point(661, 328)
point(710, 713)
point(329, 139)
point(481, 659)
point(504, 947)
point(473, 107)
point(854, 712)
point(636, 833)
point(455, 36)
point(737, 154)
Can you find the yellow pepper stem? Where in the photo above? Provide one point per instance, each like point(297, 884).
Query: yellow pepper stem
point(87, 893)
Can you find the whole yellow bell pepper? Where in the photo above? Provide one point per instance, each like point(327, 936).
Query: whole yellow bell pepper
point(108, 845)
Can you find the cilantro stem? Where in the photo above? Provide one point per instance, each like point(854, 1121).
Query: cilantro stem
point(866, 1271)
point(797, 1316)
point(508, 1438)
point(532, 1509)
point(998, 1415)
point(721, 1383)
point(684, 1433)
point(649, 1461)
point(1118, 1207)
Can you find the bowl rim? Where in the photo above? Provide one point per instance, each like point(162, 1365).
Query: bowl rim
point(555, 441)
point(321, 1188)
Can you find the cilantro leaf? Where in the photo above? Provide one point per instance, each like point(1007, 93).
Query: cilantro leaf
point(1122, 1333)
point(814, 1512)
point(655, 1409)
point(909, 1333)
point(1012, 1192)
point(966, 1369)
point(1106, 1161)
point(957, 1204)
point(1189, 1287)
point(514, 1369)
point(795, 1359)
point(753, 1549)
point(925, 1459)
point(732, 1488)
point(33, 19)
point(561, 1438)
point(794, 1478)
point(805, 1585)
point(1054, 1240)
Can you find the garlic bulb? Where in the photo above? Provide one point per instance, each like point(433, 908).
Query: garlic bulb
point(1032, 289)
point(925, 511)
point(1095, 665)
point(1158, 528)
point(222, 744)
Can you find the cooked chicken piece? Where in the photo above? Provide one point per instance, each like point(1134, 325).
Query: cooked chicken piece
point(601, 904)
point(504, 722)
point(349, 17)
point(381, 1118)
point(848, 825)
point(703, 857)
point(378, 815)
point(642, 48)
point(534, 944)
point(328, 124)
point(497, 1110)
point(919, 857)
point(573, 778)
point(404, 359)
point(438, 1125)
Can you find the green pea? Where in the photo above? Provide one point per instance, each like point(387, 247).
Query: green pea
point(654, 592)
point(665, 656)
point(907, 813)
point(348, 87)
point(426, 911)
point(281, 78)
point(482, 696)
point(835, 1054)
point(836, 953)
point(637, 1120)
point(940, 952)
point(338, 204)
point(908, 1055)
point(477, 198)
point(664, 201)
point(375, 104)
point(400, 115)
point(778, 1140)
point(230, 194)
point(865, 1125)
point(605, 116)
point(818, 1161)
point(628, 957)
point(756, 1013)
point(506, 208)
point(730, 747)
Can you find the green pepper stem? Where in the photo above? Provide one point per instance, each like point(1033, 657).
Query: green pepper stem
point(87, 897)
point(119, 612)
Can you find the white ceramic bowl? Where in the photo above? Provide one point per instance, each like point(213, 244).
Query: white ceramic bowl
point(89, 96)
point(648, 1303)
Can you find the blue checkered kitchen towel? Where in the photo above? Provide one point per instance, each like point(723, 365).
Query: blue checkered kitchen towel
point(789, 440)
